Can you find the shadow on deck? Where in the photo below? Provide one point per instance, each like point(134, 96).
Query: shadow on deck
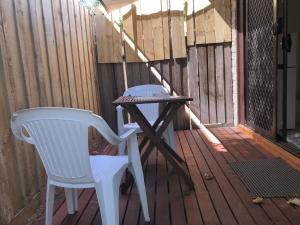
point(221, 200)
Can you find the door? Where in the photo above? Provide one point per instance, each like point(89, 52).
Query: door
point(260, 66)
point(288, 122)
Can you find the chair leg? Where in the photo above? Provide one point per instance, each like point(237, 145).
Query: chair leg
point(137, 172)
point(49, 203)
point(72, 200)
point(108, 198)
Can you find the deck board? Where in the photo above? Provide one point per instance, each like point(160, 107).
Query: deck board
point(222, 200)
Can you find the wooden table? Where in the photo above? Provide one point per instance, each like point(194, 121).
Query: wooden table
point(153, 133)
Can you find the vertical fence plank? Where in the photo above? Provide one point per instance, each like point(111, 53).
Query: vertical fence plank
point(105, 55)
point(130, 28)
point(165, 67)
point(31, 86)
point(14, 200)
point(200, 27)
point(153, 79)
point(177, 29)
point(220, 84)
point(9, 194)
point(227, 19)
point(118, 70)
point(80, 40)
point(16, 90)
point(210, 36)
point(144, 73)
point(147, 29)
point(27, 54)
point(190, 29)
point(40, 52)
point(193, 78)
point(91, 60)
point(86, 59)
point(108, 83)
point(177, 86)
point(165, 23)
point(52, 53)
point(157, 30)
point(228, 84)
point(203, 83)
point(129, 75)
point(60, 46)
point(75, 55)
point(211, 74)
point(136, 74)
point(68, 47)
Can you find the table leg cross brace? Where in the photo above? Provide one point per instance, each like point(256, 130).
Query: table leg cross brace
point(155, 134)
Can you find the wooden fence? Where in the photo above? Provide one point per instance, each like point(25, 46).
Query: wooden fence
point(161, 29)
point(205, 75)
point(46, 59)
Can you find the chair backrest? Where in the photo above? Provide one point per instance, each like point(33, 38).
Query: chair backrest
point(60, 136)
point(150, 111)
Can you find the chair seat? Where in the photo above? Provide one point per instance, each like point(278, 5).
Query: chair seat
point(104, 166)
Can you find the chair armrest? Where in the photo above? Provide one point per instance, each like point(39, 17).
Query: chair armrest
point(128, 134)
point(102, 127)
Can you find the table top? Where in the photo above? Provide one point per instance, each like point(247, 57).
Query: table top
point(133, 100)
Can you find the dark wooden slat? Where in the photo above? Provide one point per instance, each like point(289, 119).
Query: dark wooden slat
point(132, 209)
point(203, 83)
point(165, 68)
point(153, 78)
point(203, 195)
point(211, 74)
point(150, 183)
point(220, 88)
point(61, 54)
point(107, 82)
point(291, 212)
point(162, 204)
point(83, 202)
point(220, 203)
point(144, 74)
point(177, 207)
point(136, 74)
point(130, 80)
point(119, 75)
point(177, 87)
point(228, 84)
point(235, 203)
point(190, 207)
point(184, 118)
point(194, 80)
point(89, 212)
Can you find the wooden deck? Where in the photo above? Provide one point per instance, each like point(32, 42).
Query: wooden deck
point(221, 200)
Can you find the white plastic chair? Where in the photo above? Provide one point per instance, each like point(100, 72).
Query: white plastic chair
point(60, 136)
point(150, 111)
